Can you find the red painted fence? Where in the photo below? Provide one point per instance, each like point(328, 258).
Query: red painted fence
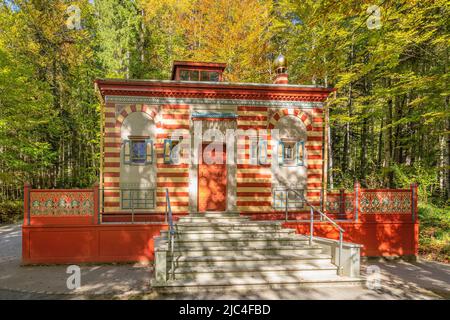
point(64, 226)
point(365, 202)
point(384, 221)
point(60, 206)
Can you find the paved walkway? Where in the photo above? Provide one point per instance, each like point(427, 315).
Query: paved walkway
point(398, 280)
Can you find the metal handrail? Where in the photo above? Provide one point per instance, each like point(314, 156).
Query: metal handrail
point(169, 220)
point(311, 226)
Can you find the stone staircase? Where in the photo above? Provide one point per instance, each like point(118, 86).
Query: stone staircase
point(222, 251)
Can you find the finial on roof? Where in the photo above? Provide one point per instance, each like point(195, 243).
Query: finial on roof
point(280, 64)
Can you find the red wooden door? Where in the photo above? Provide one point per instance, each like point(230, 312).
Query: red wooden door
point(212, 181)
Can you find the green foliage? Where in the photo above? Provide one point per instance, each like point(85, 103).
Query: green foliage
point(25, 113)
point(434, 237)
point(11, 211)
point(118, 30)
point(425, 177)
point(389, 122)
point(390, 119)
point(49, 114)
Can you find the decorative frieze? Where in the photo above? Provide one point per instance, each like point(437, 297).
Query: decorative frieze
point(220, 102)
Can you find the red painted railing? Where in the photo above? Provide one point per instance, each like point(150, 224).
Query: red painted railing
point(74, 206)
point(361, 203)
point(61, 206)
point(62, 226)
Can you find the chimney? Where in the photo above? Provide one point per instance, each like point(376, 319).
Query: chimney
point(280, 69)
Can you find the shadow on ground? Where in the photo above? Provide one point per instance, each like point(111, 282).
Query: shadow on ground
point(397, 280)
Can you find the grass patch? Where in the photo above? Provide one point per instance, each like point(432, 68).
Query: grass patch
point(434, 234)
point(11, 211)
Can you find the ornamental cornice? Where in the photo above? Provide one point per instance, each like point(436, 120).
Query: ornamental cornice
point(211, 101)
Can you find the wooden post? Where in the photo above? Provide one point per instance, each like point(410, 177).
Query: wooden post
point(415, 217)
point(96, 197)
point(342, 202)
point(26, 204)
point(414, 202)
point(357, 196)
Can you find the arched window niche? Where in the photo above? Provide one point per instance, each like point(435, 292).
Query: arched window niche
point(290, 171)
point(291, 143)
point(138, 162)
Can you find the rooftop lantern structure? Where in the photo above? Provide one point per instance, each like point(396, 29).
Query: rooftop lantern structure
point(197, 71)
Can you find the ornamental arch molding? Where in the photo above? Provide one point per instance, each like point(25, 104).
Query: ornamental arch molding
point(290, 112)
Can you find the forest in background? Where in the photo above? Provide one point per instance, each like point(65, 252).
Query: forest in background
point(389, 121)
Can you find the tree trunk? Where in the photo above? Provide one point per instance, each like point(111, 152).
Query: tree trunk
point(388, 144)
point(362, 162)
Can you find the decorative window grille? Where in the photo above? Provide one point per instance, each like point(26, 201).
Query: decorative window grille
point(138, 198)
point(295, 199)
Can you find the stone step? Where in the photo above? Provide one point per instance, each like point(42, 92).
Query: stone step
point(247, 283)
point(215, 214)
point(262, 241)
point(244, 250)
point(255, 226)
point(226, 251)
point(214, 273)
point(230, 234)
point(221, 219)
point(316, 259)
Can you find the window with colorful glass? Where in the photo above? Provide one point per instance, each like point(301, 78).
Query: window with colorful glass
point(291, 153)
point(138, 151)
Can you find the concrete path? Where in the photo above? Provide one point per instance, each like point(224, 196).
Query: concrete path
point(397, 280)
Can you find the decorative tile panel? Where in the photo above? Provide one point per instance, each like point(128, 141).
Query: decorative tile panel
point(385, 202)
point(61, 203)
point(333, 204)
